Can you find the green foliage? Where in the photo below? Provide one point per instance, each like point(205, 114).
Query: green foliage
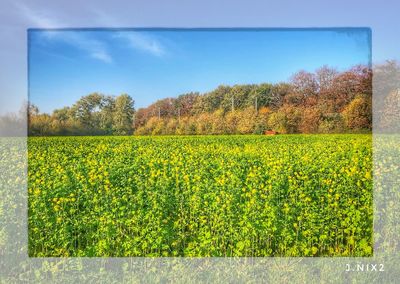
point(123, 115)
point(94, 114)
point(331, 123)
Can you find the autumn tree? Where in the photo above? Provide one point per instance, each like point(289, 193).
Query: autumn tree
point(325, 101)
point(246, 121)
point(277, 122)
point(386, 96)
point(310, 120)
point(358, 114)
point(324, 78)
point(304, 85)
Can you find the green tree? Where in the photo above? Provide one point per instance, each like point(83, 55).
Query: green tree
point(85, 111)
point(331, 123)
point(106, 114)
point(123, 115)
point(212, 101)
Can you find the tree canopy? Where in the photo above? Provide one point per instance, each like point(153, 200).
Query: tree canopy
point(94, 114)
point(324, 101)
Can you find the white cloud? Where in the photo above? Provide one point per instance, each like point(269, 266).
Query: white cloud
point(143, 42)
point(37, 18)
point(94, 48)
point(103, 56)
point(41, 19)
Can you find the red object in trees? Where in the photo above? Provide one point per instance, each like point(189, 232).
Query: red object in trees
point(270, 132)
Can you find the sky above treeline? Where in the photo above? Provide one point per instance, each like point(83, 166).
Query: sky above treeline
point(151, 64)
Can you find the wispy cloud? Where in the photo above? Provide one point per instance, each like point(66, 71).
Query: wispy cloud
point(94, 48)
point(37, 18)
point(137, 40)
point(144, 42)
point(102, 55)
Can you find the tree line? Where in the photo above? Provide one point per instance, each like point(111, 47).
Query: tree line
point(94, 114)
point(324, 101)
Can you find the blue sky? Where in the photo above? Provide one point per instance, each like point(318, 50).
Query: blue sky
point(18, 16)
point(152, 64)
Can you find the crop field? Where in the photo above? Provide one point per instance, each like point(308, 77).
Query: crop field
point(284, 195)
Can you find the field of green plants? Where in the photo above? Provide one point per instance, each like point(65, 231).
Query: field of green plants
point(288, 195)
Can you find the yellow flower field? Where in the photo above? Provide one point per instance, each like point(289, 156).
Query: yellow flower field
point(288, 195)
